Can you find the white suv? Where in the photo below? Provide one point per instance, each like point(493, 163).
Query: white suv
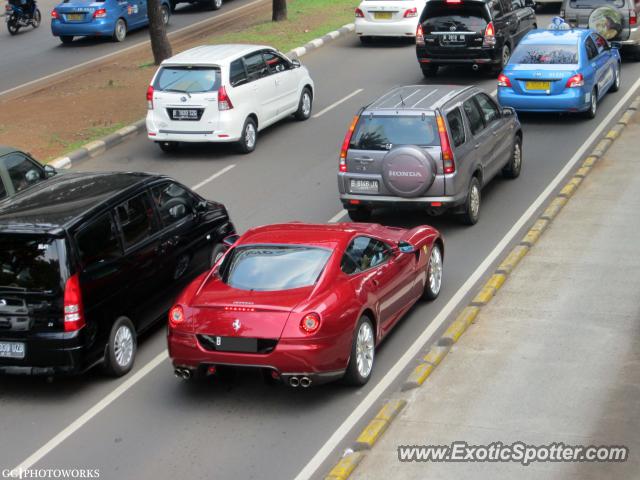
point(225, 93)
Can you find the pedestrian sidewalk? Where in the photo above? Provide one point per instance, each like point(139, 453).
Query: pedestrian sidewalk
point(555, 357)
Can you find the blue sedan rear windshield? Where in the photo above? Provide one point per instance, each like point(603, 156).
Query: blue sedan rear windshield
point(273, 267)
point(546, 55)
point(188, 79)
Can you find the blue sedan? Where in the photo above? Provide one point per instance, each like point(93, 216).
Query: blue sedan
point(560, 70)
point(107, 18)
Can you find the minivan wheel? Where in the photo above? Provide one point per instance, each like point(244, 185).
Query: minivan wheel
point(215, 4)
point(429, 70)
point(168, 147)
point(593, 106)
point(513, 167)
point(304, 106)
point(121, 348)
point(120, 31)
point(472, 205)
point(504, 59)
point(247, 143)
point(434, 274)
point(362, 353)
point(361, 214)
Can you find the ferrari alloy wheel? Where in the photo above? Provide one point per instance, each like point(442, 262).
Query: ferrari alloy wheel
point(434, 274)
point(362, 353)
point(121, 348)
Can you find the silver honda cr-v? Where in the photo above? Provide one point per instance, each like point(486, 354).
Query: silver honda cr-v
point(427, 146)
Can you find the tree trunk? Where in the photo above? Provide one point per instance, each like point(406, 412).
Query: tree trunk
point(158, 32)
point(279, 10)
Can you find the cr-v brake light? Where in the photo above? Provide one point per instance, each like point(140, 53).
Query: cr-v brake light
point(73, 308)
point(346, 142)
point(448, 162)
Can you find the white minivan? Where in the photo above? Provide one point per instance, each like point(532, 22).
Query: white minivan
point(225, 93)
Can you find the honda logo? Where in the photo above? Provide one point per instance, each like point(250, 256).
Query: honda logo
point(393, 173)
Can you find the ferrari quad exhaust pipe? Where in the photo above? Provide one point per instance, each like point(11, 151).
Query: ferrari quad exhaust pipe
point(183, 373)
point(294, 382)
point(305, 382)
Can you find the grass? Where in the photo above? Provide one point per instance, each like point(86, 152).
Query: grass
point(86, 136)
point(307, 19)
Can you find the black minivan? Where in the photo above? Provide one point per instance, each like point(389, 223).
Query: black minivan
point(88, 261)
point(479, 33)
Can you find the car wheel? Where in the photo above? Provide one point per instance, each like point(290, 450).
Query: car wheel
point(13, 27)
point(429, 70)
point(215, 4)
point(168, 147)
point(616, 79)
point(513, 167)
point(365, 40)
point(121, 348)
point(362, 353)
point(434, 274)
point(593, 106)
point(305, 105)
point(218, 251)
point(472, 204)
point(504, 59)
point(37, 19)
point(66, 39)
point(120, 31)
point(247, 143)
point(166, 14)
point(359, 214)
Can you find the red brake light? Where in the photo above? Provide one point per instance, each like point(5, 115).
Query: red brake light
point(359, 13)
point(100, 13)
point(310, 323)
point(411, 12)
point(419, 35)
point(239, 309)
point(150, 97)
point(73, 309)
point(448, 161)
point(503, 80)
point(346, 142)
point(224, 102)
point(453, 1)
point(489, 36)
point(176, 316)
point(633, 18)
point(54, 13)
point(576, 81)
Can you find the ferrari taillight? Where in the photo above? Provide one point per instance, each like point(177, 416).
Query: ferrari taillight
point(310, 323)
point(176, 316)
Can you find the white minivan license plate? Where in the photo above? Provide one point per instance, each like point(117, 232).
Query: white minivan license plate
point(363, 186)
point(12, 350)
point(185, 114)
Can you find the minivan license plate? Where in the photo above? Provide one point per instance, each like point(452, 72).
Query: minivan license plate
point(190, 114)
point(363, 186)
point(453, 38)
point(12, 350)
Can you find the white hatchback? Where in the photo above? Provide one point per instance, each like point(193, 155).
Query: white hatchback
point(225, 93)
point(387, 18)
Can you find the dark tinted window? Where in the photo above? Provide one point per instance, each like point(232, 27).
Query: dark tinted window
point(473, 115)
point(592, 4)
point(545, 55)
point(273, 267)
point(136, 219)
point(98, 242)
point(188, 79)
point(173, 201)
point(592, 50)
point(28, 262)
point(364, 253)
point(275, 62)
point(489, 109)
point(456, 127)
point(22, 171)
point(256, 68)
point(3, 190)
point(495, 7)
point(237, 73)
point(375, 132)
point(440, 17)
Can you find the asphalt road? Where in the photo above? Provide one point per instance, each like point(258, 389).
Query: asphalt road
point(33, 54)
point(241, 428)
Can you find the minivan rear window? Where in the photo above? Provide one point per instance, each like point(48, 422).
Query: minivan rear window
point(441, 17)
point(188, 79)
point(546, 55)
point(376, 132)
point(29, 263)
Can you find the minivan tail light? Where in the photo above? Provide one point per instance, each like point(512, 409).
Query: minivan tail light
point(503, 80)
point(576, 81)
point(489, 36)
point(411, 12)
point(150, 97)
point(310, 323)
point(633, 18)
point(346, 142)
point(448, 162)
point(419, 35)
point(224, 102)
point(73, 308)
point(100, 13)
point(359, 13)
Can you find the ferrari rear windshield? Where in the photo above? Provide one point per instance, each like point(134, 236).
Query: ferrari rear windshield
point(273, 267)
point(546, 55)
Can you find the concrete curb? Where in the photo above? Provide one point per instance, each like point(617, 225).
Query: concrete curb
point(98, 147)
point(375, 428)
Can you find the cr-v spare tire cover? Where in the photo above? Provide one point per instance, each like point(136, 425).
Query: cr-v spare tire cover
point(408, 170)
point(607, 21)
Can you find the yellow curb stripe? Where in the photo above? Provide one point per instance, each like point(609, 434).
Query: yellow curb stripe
point(613, 134)
point(513, 259)
point(496, 281)
point(345, 467)
point(484, 296)
point(436, 354)
point(419, 375)
point(602, 146)
point(376, 427)
point(626, 117)
point(590, 161)
point(571, 186)
point(583, 171)
point(467, 316)
point(553, 208)
point(455, 330)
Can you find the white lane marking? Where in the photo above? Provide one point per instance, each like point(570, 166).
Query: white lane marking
point(92, 412)
point(336, 218)
point(431, 329)
point(135, 45)
point(334, 105)
point(213, 177)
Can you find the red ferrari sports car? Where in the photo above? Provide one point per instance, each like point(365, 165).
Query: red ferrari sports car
point(306, 303)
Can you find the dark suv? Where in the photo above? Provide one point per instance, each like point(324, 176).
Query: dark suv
point(431, 147)
point(90, 260)
point(480, 33)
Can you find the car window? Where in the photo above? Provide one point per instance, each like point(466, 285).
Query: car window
point(237, 73)
point(98, 241)
point(592, 50)
point(439, 16)
point(173, 202)
point(22, 171)
point(275, 62)
point(473, 115)
point(601, 44)
point(377, 132)
point(508, 5)
point(136, 219)
point(30, 262)
point(256, 68)
point(593, 4)
point(490, 111)
point(456, 127)
point(364, 253)
point(3, 190)
point(188, 79)
point(545, 55)
point(495, 7)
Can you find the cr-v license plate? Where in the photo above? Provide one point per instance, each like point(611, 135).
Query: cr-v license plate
point(12, 350)
point(363, 186)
